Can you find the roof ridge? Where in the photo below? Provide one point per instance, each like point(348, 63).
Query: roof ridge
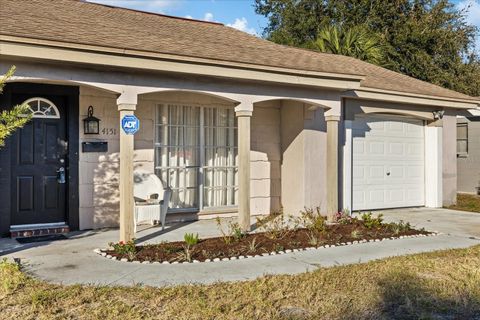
point(149, 12)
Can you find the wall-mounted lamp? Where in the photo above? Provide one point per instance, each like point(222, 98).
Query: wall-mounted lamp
point(91, 124)
point(438, 115)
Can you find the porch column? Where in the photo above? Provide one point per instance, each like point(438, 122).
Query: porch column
point(347, 166)
point(244, 169)
point(434, 164)
point(332, 165)
point(126, 176)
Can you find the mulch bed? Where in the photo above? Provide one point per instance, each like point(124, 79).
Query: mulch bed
point(265, 243)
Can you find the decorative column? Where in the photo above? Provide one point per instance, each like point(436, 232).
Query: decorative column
point(126, 176)
point(332, 165)
point(244, 169)
point(347, 167)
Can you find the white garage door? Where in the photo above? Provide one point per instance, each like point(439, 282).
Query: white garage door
point(388, 162)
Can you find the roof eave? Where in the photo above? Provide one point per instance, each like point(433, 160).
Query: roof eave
point(410, 98)
point(81, 53)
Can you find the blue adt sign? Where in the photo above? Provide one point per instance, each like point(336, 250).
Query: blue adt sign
point(130, 124)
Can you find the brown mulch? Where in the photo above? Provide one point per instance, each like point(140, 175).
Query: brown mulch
point(265, 242)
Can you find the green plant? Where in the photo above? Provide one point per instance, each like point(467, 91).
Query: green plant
point(313, 239)
point(278, 247)
point(398, 227)
point(11, 276)
point(125, 248)
point(252, 245)
point(233, 233)
point(190, 241)
point(355, 234)
point(15, 118)
point(275, 226)
point(344, 217)
point(371, 222)
point(313, 220)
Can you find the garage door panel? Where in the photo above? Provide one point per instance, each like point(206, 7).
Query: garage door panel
point(388, 162)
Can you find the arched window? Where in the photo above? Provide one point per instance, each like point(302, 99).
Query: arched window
point(42, 108)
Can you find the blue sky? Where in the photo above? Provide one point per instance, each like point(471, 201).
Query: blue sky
point(239, 14)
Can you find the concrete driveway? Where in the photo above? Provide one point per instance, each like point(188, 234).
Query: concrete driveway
point(451, 222)
point(73, 262)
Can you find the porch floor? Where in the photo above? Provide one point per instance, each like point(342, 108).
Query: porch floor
point(73, 261)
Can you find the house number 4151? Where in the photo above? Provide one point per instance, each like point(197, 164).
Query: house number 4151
point(109, 131)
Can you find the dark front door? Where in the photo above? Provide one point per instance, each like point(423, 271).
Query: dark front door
point(39, 154)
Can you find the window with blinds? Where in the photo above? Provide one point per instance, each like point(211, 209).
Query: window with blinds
point(462, 139)
point(196, 155)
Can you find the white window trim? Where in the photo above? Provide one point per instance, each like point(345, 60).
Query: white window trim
point(42, 116)
point(462, 154)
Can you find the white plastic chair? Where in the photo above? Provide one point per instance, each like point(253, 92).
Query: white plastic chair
point(150, 197)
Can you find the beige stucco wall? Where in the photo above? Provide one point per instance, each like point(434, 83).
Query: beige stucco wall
point(98, 189)
point(303, 169)
point(265, 158)
point(99, 195)
point(468, 167)
point(449, 159)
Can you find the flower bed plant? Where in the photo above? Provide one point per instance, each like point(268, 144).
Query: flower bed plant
point(275, 234)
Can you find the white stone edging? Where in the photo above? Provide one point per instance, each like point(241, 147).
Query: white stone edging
point(102, 252)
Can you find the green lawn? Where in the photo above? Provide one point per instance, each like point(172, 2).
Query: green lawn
point(444, 284)
point(467, 202)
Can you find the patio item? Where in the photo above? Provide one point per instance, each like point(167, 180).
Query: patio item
point(151, 198)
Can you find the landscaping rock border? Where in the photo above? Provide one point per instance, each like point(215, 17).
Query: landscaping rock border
point(102, 252)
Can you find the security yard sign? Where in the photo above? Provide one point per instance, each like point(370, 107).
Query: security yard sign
point(130, 124)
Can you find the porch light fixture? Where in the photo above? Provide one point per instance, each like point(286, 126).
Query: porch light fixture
point(91, 124)
point(438, 115)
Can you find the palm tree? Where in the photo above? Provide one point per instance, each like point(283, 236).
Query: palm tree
point(354, 42)
point(13, 119)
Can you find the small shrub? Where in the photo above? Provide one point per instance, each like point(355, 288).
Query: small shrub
point(355, 234)
point(125, 248)
point(278, 247)
point(313, 239)
point(398, 227)
point(313, 220)
point(275, 226)
point(371, 222)
point(344, 217)
point(190, 241)
point(233, 232)
point(252, 245)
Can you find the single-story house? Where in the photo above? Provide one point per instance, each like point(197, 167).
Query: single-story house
point(468, 152)
point(233, 124)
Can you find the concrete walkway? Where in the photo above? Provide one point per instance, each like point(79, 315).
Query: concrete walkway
point(73, 262)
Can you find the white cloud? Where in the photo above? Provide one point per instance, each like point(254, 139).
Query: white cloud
point(188, 17)
point(208, 16)
point(242, 25)
point(473, 8)
point(473, 14)
point(145, 5)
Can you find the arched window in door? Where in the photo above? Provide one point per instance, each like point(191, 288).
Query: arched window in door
point(42, 108)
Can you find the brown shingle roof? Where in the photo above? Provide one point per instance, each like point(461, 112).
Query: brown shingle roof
point(80, 22)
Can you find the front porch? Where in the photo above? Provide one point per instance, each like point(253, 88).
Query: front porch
point(217, 156)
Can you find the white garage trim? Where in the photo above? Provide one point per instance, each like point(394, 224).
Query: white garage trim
point(431, 184)
point(433, 167)
point(347, 166)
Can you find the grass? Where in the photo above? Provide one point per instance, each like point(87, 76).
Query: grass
point(443, 284)
point(467, 202)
